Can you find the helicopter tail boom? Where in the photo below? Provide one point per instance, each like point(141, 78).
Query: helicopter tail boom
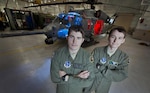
point(20, 33)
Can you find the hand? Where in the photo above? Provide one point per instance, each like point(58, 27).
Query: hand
point(111, 67)
point(62, 73)
point(84, 74)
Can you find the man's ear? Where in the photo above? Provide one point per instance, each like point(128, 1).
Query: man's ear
point(82, 40)
point(67, 38)
point(123, 40)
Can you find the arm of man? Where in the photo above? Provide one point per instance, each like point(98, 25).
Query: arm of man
point(85, 78)
point(120, 72)
point(57, 75)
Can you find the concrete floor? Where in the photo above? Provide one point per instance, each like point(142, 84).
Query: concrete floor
point(25, 65)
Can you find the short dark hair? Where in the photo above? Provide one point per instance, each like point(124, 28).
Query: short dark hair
point(76, 28)
point(119, 29)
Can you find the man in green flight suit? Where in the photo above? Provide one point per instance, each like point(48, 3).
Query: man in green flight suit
point(111, 64)
point(71, 66)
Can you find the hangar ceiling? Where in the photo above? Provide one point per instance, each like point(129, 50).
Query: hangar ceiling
point(137, 7)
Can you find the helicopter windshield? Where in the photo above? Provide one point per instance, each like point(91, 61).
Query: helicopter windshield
point(65, 20)
point(56, 20)
point(53, 24)
point(89, 12)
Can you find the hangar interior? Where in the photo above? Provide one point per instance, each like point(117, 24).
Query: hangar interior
point(25, 61)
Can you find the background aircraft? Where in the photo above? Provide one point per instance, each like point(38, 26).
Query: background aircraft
point(93, 22)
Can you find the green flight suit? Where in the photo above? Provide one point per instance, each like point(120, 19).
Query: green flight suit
point(108, 69)
point(63, 61)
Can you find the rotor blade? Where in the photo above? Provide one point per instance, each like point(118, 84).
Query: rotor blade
point(63, 3)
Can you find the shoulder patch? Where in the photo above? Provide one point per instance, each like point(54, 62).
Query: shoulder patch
point(91, 59)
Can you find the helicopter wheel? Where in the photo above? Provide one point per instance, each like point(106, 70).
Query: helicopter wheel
point(89, 42)
point(49, 41)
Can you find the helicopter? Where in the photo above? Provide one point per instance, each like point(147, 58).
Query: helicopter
point(93, 23)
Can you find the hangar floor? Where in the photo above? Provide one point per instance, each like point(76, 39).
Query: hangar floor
point(25, 65)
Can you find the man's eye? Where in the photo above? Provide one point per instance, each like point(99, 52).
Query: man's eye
point(79, 37)
point(71, 36)
point(120, 37)
point(112, 36)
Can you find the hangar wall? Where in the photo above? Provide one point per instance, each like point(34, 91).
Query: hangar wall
point(142, 30)
point(124, 19)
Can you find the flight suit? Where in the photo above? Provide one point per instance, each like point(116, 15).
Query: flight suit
point(63, 61)
point(108, 69)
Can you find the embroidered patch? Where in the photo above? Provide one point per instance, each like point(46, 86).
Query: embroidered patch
point(77, 65)
point(103, 60)
point(91, 59)
point(67, 64)
point(113, 63)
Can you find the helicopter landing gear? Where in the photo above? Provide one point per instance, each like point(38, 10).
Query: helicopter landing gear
point(88, 42)
point(49, 41)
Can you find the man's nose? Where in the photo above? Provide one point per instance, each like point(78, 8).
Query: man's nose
point(115, 39)
point(74, 40)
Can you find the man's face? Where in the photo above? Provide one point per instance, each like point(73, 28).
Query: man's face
point(75, 40)
point(116, 39)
